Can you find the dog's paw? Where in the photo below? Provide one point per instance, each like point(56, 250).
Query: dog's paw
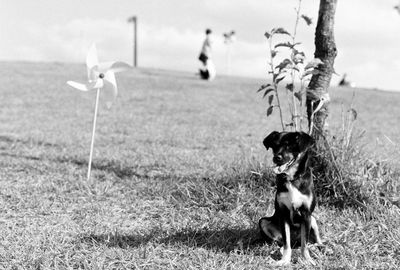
point(286, 257)
point(306, 258)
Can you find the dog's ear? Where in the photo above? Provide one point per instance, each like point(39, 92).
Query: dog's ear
point(305, 141)
point(271, 140)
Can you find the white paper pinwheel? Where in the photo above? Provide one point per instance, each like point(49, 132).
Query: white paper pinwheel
point(101, 77)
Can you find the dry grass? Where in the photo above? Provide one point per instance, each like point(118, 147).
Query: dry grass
point(180, 176)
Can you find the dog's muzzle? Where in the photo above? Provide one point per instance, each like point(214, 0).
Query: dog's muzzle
point(284, 167)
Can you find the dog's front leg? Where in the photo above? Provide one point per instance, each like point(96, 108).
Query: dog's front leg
point(287, 249)
point(314, 227)
point(305, 236)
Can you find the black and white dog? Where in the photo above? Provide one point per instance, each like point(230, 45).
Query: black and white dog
point(295, 199)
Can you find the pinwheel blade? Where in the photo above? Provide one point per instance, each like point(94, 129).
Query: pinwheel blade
point(86, 87)
point(113, 66)
point(92, 63)
point(119, 66)
point(79, 86)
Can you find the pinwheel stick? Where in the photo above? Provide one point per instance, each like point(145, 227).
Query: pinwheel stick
point(93, 133)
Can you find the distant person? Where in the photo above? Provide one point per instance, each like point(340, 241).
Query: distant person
point(397, 7)
point(207, 72)
point(344, 82)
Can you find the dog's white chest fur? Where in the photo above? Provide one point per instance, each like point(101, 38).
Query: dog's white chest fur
point(293, 198)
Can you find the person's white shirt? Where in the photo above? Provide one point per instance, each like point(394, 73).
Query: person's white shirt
point(206, 48)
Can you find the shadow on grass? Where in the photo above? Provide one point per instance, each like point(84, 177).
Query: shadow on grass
point(224, 240)
point(119, 169)
point(27, 157)
point(109, 166)
point(12, 141)
point(114, 167)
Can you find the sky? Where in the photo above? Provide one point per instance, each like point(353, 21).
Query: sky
point(170, 34)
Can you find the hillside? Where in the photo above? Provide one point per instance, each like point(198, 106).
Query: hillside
point(175, 174)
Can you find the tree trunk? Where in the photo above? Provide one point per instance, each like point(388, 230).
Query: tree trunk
point(325, 49)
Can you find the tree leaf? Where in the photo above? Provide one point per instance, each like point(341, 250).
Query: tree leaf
point(268, 91)
point(262, 87)
point(295, 44)
point(353, 113)
point(278, 80)
point(267, 35)
point(270, 99)
point(283, 44)
point(290, 87)
point(284, 64)
point(269, 110)
point(273, 53)
point(298, 56)
point(310, 72)
point(298, 60)
point(300, 53)
point(307, 19)
point(314, 63)
point(296, 68)
point(287, 44)
point(280, 30)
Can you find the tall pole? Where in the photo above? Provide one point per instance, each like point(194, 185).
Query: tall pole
point(135, 42)
point(134, 20)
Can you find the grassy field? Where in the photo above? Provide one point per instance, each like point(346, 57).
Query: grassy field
point(180, 175)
